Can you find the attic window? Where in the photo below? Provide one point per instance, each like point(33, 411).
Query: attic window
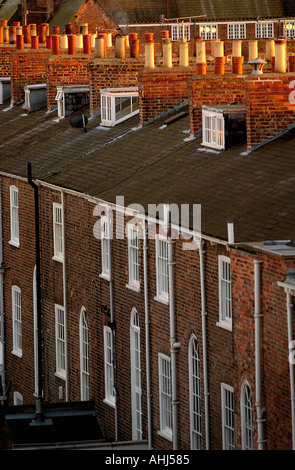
point(118, 104)
point(289, 29)
point(264, 29)
point(180, 31)
point(71, 98)
point(236, 30)
point(213, 129)
point(209, 31)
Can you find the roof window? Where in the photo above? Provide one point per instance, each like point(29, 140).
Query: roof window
point(71, 98)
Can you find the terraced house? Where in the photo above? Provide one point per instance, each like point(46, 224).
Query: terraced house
point(147, 248)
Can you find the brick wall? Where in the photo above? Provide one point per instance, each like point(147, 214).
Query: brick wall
point(270, 106)
point(65, 70)
point(214, 89)
point(19, 265)
point(109, 73)
point(5, 52)
point(92, 14)
point(162, 89)
point(28, 67)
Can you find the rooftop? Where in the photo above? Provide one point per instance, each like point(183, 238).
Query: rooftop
point(156, 163)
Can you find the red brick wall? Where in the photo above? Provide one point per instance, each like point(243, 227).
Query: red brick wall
point(65, 70)
point(110, 73)
point(214, 90)
point(28, 67)
point(270, 106)
point(92, 14)
point(162, 89)
point(5, 52)
point(19, 266)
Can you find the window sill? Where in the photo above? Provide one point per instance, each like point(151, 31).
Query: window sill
point(166, 435)
point(105, 276)
point(225, 325)
point(58, 259)
point(108, 402)
point(17, 353)
point(60, 375)
point(163, 300)
point(132, 287)
point(14, 243)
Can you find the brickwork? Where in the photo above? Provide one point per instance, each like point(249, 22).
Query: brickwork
point(92, 14)
point(5, 65)
point(65, 70)
point(28, 67)
point(270, 106)
point(110, 73)
point(19, 265)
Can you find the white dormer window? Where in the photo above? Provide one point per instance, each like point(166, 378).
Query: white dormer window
point(264, 29)
point(213, 129)
point(289, 29)
point(71, 98)
point(209, 31)
point(118, 104)
point(236, 31)
point(180, 31)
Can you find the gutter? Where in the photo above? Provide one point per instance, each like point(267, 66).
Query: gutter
point(39, 404)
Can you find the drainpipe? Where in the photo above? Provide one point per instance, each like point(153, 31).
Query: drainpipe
point(65, 290)
point(205, 366)
point(173, 345)
point(3, 380)
point(257, 316)
point(291, 364)
point(39, 404)
point(109, 221)
point(147, 334)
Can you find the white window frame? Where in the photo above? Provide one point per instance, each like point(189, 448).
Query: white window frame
point(84, 356)
point(162, 274)
point(165, 397)
point(195, 394)
point(247, 422)
point(225, 300)
point(289, 29)
point(60, 341)
point(109, 366)
point(105, 246)
point(208, 31)
point(236, 30)
point(61, 91)
point(179, 30)
point(58, 231)
point(136, 390)
point(17, 321)
point(108, 98)
point(228, 417)
point(213, 135)
point(264, 30)
point(14, 216)
point(133, 257)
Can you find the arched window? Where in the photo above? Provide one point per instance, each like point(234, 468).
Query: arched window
point(195, 395)
point(135, 354)
point(247, 418)
point(84, 356)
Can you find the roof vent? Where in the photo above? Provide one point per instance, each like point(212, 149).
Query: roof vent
point(257, 64)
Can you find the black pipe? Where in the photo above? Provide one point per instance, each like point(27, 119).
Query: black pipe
point(39, 407)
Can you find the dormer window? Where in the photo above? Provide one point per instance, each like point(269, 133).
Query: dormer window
point(223, 125)
point(71, 98)
point(118, 104)
point(264, 30)
point(180, 31)
point(213, 129)
point(209, 31)
point(289, 29)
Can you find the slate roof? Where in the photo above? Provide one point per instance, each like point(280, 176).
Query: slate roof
point(139, 11)
point(156, 163)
